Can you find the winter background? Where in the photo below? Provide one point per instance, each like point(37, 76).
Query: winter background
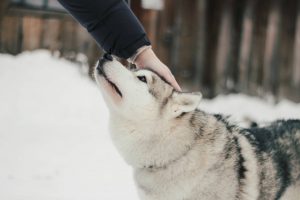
point(54, 141)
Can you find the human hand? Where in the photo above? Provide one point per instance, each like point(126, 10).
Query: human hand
point(147, 58)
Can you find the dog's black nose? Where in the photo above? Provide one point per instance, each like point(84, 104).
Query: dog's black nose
point(108, 56)
point(105, 58)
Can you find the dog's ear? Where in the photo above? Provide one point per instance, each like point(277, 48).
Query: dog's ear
point(185, 102)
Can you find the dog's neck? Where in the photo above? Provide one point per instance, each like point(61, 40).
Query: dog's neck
point(150, 144)
point(154, 145)
point(155, 167)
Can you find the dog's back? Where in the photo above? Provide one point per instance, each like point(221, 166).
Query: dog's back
point(278, 153)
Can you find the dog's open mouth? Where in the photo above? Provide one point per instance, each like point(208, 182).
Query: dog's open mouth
point(101, 72)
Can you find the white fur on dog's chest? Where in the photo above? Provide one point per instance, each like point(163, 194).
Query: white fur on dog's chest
point(175, 181)
point(162, 185)
point(166, 185)
point(185, 179)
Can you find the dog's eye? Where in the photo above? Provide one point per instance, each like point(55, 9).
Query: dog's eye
point(142, 78)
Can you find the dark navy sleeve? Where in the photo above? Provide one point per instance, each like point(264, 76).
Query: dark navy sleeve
point(111, 23)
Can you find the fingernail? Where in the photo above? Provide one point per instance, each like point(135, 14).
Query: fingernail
point(178, 87)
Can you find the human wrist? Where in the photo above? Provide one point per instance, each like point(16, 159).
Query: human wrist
point(142, 56)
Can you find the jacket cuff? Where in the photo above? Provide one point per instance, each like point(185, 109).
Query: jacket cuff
point(106, 43)
point(137, 53)
point(133, 50)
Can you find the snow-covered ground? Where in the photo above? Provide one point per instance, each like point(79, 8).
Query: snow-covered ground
point(243, 109)
point(54, 143)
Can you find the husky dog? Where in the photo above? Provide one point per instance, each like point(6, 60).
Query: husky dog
point(179, 152)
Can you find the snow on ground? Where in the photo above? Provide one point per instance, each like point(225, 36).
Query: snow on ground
point(54, 142)
point(242, 108)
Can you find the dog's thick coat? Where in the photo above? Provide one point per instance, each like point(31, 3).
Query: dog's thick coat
point(181, 153)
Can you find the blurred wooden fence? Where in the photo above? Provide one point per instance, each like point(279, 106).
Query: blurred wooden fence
point(222, 46)
point(217, 46)
point(23, 28)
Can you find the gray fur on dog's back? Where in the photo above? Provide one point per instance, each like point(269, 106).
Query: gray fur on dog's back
point(275, 153)
point(278, 152)
point(258, 163)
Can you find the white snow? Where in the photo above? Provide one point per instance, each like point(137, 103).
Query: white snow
point(243, 108)
point(54, 142)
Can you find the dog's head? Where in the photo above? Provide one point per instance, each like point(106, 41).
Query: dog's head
point(141, 93)
point(148, 117)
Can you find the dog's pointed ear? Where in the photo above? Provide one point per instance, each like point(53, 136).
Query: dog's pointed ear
point(185, 102)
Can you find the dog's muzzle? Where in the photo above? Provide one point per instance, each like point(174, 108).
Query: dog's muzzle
point(105, 58)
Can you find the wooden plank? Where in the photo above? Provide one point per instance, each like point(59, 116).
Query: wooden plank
point(3, 7)
point(165, 33)
point(200, 43)
point(296, 62)
point(270, 72)
point(236, 37)
point(149, 19)
point(261, 10)
point(287, 44)
point(11, 34)
point(87, 45)
point(224, 47)
point(246, 45)
point(84, 39)
point(214, 10)
point(184, 44)
point(68, 38)
point(32, 33)
point(176, 37)
point(51, 31)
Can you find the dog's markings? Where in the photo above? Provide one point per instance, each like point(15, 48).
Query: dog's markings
point(193, 119)
point(239, 149)
point(280, 159)
point(157, 93)
point(228, 148)
point(155, 168)
point(154, 93)
point(250, 177)
point(153, 79)
point(181, 115)
point(166, 100)
point(224, 120)
point(241, 169)
point(201, 126)
point(161, 77)
point(196, 123)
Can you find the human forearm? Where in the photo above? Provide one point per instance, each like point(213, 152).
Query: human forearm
point(111, 23)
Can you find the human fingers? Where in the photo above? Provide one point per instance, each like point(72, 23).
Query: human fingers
point(167, 74)
point(173, 81)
